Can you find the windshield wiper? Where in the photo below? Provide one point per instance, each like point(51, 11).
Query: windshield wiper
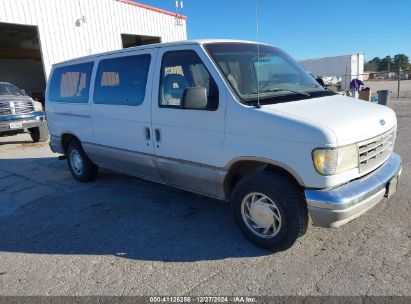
point(284, 90)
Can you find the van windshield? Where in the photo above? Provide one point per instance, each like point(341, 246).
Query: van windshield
point(260, 70)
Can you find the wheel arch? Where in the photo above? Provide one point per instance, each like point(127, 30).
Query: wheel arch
point(243, 166)
point(66, 138)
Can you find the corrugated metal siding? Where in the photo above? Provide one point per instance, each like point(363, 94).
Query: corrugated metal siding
point(63, 38)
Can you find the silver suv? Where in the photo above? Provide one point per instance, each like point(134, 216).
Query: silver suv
point(20, 113)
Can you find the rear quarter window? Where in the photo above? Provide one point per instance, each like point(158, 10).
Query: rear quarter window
point(71, 83)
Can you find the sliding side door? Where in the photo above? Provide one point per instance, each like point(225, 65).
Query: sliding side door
point(121, 113)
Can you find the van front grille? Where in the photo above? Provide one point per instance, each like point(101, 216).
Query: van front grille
point(375, 151)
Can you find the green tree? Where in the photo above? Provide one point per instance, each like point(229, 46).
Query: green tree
point(401, 60)
point(386, 64)
point(373, 64)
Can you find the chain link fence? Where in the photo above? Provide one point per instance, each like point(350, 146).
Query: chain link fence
point(399, 84)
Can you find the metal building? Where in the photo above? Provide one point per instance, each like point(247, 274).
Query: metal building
point(34, 34)
point(347, 67)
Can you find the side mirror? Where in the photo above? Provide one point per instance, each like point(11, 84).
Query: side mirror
point(195, 98)
point(24, 92)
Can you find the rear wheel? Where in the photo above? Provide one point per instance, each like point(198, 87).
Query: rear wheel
point(81, 167)
point(269, 210)
point(40, 133)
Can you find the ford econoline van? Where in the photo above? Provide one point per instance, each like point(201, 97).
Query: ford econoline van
point(233, 120)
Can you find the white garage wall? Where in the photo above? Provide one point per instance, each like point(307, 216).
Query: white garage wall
point(63, 37)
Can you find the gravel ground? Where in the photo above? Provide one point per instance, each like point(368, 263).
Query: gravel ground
point(125, 236)
point(392, 85)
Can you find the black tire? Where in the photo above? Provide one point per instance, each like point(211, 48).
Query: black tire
point(40, 133)
point(75, 152)
point(290, 204)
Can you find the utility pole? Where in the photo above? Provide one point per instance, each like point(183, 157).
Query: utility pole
point(399, 79)
point(347, 86)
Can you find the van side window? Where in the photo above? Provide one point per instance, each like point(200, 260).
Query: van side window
point(181, 70)
point(71, 83)
point(122, 80)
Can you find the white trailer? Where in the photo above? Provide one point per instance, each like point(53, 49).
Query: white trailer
point(347, 67)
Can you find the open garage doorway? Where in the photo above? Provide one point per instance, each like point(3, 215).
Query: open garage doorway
point(20, 59)
point(137, 40)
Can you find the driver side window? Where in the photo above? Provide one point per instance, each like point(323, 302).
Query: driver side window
point(181, 70)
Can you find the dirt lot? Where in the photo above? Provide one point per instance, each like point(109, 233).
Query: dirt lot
point(392, 85)
point(124, 236)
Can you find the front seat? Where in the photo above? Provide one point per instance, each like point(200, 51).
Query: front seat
point(173, 88)
point(233, 82)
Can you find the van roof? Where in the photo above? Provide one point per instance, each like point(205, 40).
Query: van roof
point(155, 45)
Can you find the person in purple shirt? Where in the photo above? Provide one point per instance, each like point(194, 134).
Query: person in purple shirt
point(355, 86)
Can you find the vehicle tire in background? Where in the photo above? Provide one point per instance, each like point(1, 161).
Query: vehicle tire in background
point(269, 210)
point(40, 133)
point(81, 167)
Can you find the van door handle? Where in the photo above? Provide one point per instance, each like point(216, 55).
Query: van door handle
point(157, 133)
point(148, 135)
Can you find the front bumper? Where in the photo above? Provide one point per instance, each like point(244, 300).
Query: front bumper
point(27, 121)
point(340, 205)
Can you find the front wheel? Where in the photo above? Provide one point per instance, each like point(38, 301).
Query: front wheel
point(81, 167)
point(40, 133)
point(269, 210)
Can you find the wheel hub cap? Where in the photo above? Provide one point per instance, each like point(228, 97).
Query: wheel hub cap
point(261, 215)
point(76, 162)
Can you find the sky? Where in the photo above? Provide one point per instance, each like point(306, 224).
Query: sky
point(304, 28)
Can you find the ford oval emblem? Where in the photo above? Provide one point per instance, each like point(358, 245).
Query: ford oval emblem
point(382, 122)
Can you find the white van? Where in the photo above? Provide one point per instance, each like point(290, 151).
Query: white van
point(233, 120)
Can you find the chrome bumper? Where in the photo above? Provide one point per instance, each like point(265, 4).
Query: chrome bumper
point(338, 206)
point(27, 120)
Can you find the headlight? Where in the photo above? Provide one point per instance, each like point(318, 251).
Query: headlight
point(335, 160)
point(37, 106)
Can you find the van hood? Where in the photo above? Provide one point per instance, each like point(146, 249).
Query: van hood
point(351, 120)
